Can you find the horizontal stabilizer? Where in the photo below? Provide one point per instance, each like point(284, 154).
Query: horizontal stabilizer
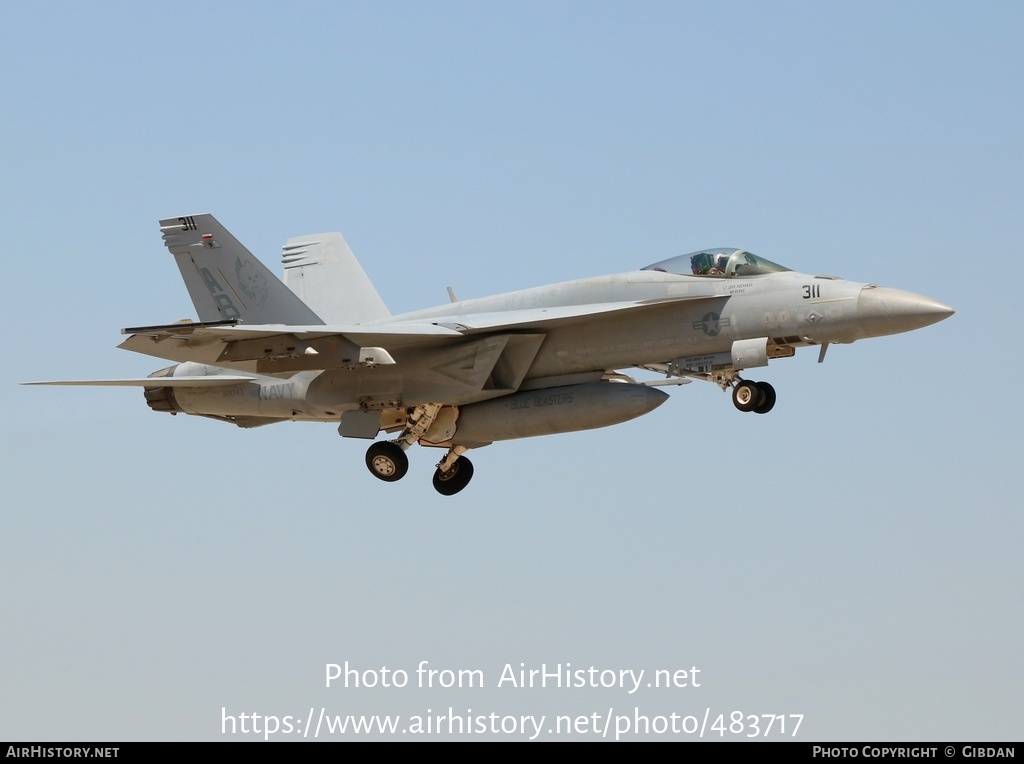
point(210, 381)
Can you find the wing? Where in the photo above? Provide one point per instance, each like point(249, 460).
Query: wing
point(274, 349)
point(550, 318)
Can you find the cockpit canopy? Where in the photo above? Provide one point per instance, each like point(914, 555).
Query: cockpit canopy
point(723, 262)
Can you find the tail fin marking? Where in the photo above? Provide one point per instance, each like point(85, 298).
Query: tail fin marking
point(224, 279)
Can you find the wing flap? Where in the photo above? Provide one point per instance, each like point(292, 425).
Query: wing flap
point(230, 331)
point(274, 349)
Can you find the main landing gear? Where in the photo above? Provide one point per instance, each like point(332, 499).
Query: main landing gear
point(455, 479)
point(758, 397)
point(387, 460)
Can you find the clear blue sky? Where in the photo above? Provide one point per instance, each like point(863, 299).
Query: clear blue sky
point(853, 557)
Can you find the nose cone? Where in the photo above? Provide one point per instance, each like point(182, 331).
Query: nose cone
point(882, 311)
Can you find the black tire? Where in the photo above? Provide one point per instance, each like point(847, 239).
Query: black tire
point(747, 396)
point(768, 401)
point(387, 461)
point(454, 480)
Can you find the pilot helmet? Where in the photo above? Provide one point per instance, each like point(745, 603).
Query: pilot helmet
point(702, 263)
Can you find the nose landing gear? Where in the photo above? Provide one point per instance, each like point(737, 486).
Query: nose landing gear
point(758, 397)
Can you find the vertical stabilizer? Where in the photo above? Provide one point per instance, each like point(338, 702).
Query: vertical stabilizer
point(323, 272)
point(224, 279)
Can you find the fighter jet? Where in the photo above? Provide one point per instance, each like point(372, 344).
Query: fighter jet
point(322, 346)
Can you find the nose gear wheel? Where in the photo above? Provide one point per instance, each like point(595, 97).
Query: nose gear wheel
point(746, 396)
point(758, 397)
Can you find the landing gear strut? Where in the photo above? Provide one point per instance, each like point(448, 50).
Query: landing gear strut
point(386, 459)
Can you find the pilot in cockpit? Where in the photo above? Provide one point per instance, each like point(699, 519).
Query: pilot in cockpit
point(707, 264)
